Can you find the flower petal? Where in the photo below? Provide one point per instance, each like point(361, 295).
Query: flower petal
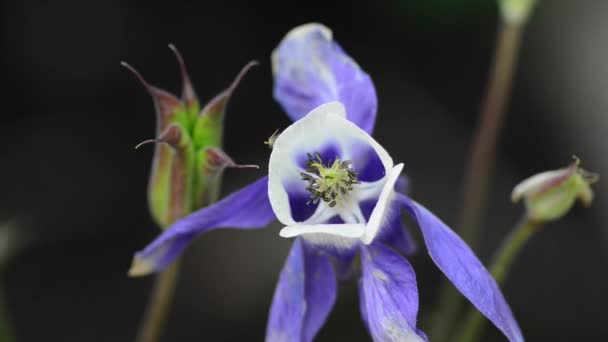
point(322, 126)
point(540, 182)
point(311, 69)
point(354, 230)
point(334, 238)
point(397, 236)
point(403, 184)
point(366, 162)
point(388, 295)
point(246, 208)
point(304, 296)
point(456, 260)
point(394, 233)
point(345, 262)
point(383, 205)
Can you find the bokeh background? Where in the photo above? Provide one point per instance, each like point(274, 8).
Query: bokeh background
point(73, 206)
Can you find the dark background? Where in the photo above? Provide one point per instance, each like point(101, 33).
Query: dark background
point(73, 203)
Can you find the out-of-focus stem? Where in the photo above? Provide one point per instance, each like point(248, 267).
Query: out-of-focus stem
point(161, 297)
point(488, 131)
point(158, 307)
point(510, 248)
point(6, 332)
point(480, 163)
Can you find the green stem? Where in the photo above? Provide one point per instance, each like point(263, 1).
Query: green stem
point(160, 300)
point(486, 138)
point(6, 332)
point(512, 245)
point(162, 294)
point(480, 165)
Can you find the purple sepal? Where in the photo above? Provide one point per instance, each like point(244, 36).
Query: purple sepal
point(456, 260)
point(397, 236)
point(244, 209)
point(388, 295)
point(403, 184)
point(347, 266)
point(393, 233)
point(311, 69)
point(304, 296)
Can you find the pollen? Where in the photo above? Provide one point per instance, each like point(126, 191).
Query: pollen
point(331, 181)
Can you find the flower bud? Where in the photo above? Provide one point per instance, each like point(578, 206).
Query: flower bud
point(181, 178)
point(549, 195)
point(516, 11)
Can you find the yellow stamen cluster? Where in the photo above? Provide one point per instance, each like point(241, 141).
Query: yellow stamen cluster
point(329, 182)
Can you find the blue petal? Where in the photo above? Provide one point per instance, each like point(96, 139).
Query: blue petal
point(366, 162)
point(300, 205)
point(343, 257)
point(398, 237)
point(304, 296)
point(246, 208)
point(310, 69)
point(329, 151)
point(393, 233)
point(403, 184)
point(346, 265)
point(388, 295)
point(463, 269)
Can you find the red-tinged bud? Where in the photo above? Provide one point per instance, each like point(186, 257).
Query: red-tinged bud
point(549, 195)
point(183, 177)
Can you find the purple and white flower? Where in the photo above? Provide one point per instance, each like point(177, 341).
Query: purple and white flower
point(333, 187)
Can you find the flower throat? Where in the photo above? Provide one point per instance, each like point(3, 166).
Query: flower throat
point(329, 182)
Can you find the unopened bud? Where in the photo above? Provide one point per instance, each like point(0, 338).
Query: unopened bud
point(516, 11)
point(550, 195)
point(182, 179)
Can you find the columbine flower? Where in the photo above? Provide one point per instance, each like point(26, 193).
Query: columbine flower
point(333, 187)
point(188, 160)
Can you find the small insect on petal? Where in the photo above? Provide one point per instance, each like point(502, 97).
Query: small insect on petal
point(271, 139)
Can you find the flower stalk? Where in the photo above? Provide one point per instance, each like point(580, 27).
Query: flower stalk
point(159, 304)
point(14, 237)
point(6, 331)
point(488, 132)
point(503, 260)
point(483, 150)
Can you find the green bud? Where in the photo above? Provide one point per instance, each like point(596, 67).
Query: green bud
point(516, 11)
point(549, 195)
point(184, 175)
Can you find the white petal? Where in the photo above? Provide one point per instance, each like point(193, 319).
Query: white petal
point(370, 190)
point(382, 207)
point(328, 240)
point(344, 230)
point(324, 125)
point(538, 182)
